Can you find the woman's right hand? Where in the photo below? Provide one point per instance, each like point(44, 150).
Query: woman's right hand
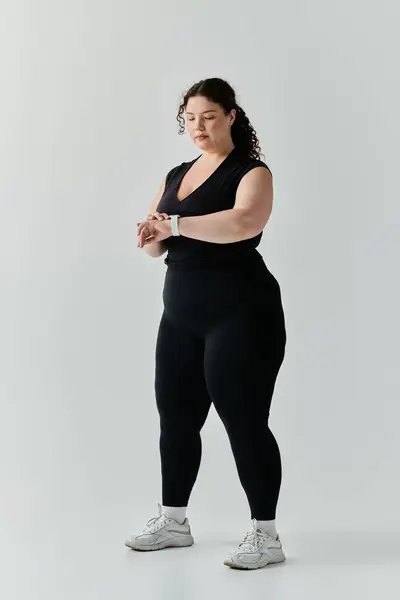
point(157, 215)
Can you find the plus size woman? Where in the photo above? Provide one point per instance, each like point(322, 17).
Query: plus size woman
point(221, 336)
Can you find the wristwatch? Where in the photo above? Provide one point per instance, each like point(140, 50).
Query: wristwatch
point(174, 224)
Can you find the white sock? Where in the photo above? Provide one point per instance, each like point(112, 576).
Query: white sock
point(269, 527)
point(175, 512)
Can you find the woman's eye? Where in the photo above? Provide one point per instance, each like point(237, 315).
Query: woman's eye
point(206, 118)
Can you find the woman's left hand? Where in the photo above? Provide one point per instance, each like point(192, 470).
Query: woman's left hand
point(150, 231)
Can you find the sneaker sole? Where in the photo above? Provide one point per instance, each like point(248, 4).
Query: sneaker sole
point(175, 543)
point(260, 565)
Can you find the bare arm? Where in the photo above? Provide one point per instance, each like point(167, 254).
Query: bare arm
point(248, 217)
point(156, 249)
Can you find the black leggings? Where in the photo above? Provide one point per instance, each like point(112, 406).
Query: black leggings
point(221, 339)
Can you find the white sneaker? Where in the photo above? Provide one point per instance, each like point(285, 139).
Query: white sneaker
point(161, 532)
point(257, 550)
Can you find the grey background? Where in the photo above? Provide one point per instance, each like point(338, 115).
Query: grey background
point(89, 94)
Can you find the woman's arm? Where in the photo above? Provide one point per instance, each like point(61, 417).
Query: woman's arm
point(156, 249)
point(253, 207)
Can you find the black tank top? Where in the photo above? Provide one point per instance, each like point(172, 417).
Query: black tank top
point(215, 194)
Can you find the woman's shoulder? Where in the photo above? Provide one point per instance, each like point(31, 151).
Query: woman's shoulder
point(172, 172)
point(247, 163)
point(178, 169)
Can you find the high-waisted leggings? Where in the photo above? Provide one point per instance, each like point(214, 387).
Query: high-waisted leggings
point(221, 340)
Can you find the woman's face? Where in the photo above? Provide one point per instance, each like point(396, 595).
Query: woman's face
point(207, 118)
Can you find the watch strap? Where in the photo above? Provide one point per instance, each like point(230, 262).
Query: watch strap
point(174, 224)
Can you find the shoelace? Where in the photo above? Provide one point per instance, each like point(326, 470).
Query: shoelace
point(155, 523)
point(253, 540)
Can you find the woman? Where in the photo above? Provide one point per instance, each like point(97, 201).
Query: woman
point(222, 334)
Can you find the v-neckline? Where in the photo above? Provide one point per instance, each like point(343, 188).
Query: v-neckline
point(204, 182)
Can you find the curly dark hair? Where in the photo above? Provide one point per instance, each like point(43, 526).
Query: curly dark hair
point(221, 92)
